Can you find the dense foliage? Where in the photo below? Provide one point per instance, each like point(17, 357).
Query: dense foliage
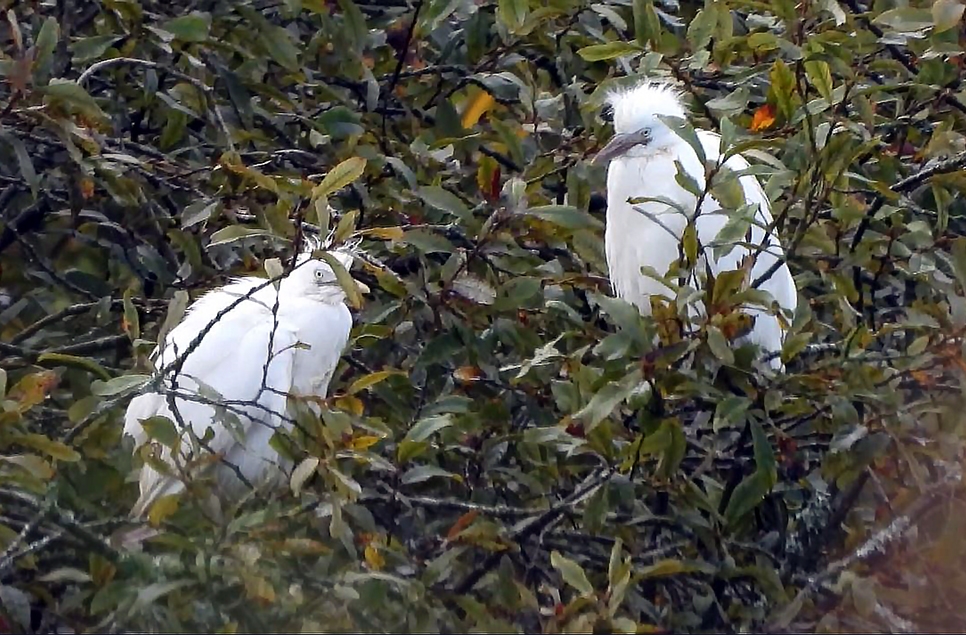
point(505, 450)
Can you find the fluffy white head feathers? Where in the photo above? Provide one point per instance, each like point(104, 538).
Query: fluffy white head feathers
point(314, 242)
point(638, 107)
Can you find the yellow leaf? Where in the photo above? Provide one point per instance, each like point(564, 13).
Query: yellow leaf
point(349, 403)
point(340, 176)
point(373, 558)
point(668, 567)
point(36, 466)
point(33, 389)
point(304, 546)
point(162, 508)
point(364, 442)
point(302, 472)
point(372, 379)
point(386, 233)
point(258, 588)
point(476, 108)
point(53, 449)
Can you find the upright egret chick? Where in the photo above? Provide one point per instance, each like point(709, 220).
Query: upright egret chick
point(230, 382)
point(642, 155)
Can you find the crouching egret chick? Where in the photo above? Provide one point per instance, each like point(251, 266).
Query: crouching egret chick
point(230, 382)
point(642, 155)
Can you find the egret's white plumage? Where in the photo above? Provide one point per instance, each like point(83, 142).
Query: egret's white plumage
point(306, 325)
point(642, 155)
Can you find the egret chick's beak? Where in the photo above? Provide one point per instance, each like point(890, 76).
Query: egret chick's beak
point(620, 143)
point(362, 286)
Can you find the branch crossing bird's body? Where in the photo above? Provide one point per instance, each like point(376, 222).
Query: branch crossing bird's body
point(305, 324)
point(642, 164)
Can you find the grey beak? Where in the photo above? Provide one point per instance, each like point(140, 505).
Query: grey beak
point(620, 143)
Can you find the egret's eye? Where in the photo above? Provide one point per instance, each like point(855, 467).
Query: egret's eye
point(319, 274)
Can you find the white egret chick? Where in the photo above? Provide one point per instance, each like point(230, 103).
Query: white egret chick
point(642, 155)
point(231, 376)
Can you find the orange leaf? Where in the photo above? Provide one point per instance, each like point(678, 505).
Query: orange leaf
point(462, 523)
point(86, 188)
point(467, 374)
point(763, 118)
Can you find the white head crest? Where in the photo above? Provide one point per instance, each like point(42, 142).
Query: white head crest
point(638, 106)
point(344, 253)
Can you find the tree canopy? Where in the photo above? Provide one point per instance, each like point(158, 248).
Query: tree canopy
point(505, 448)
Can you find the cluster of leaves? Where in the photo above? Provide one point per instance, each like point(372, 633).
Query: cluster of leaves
point(506, 448)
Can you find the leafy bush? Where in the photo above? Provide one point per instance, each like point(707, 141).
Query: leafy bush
point(505, 449)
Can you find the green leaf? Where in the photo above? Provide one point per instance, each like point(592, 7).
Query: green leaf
point(610, 395)
point(51, 360)
point(647, 26)
point(566, 216)
point(161, 429)
point(608, 51)
point(26, 164)
point(280, 46)
point(176, 310)
point(355, 24)
point(444, 200)
point(783, 88)
point(719, 346)
point(676, 449)
point(340, 176)
point(512, 13)
point(422, 473)
point(701, 28)
point(572, 573)
point(426, 427)
point(193, 27)
point(118, 385)
point(819, 75)
point(45, 44)
point(730, 411)
point(946, 14)
point(764, 454)
point(153, 592)
point(233, 233)
point(71, 93)
point(428, 242)
point(91, 48)
point(755, 487)
point(198, 212)
point(748, 495)
point(905, 19)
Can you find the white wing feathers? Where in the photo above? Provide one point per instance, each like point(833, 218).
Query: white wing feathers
point(638, 235)
point(232, 358)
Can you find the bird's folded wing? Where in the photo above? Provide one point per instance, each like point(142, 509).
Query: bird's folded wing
point(232, 360)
